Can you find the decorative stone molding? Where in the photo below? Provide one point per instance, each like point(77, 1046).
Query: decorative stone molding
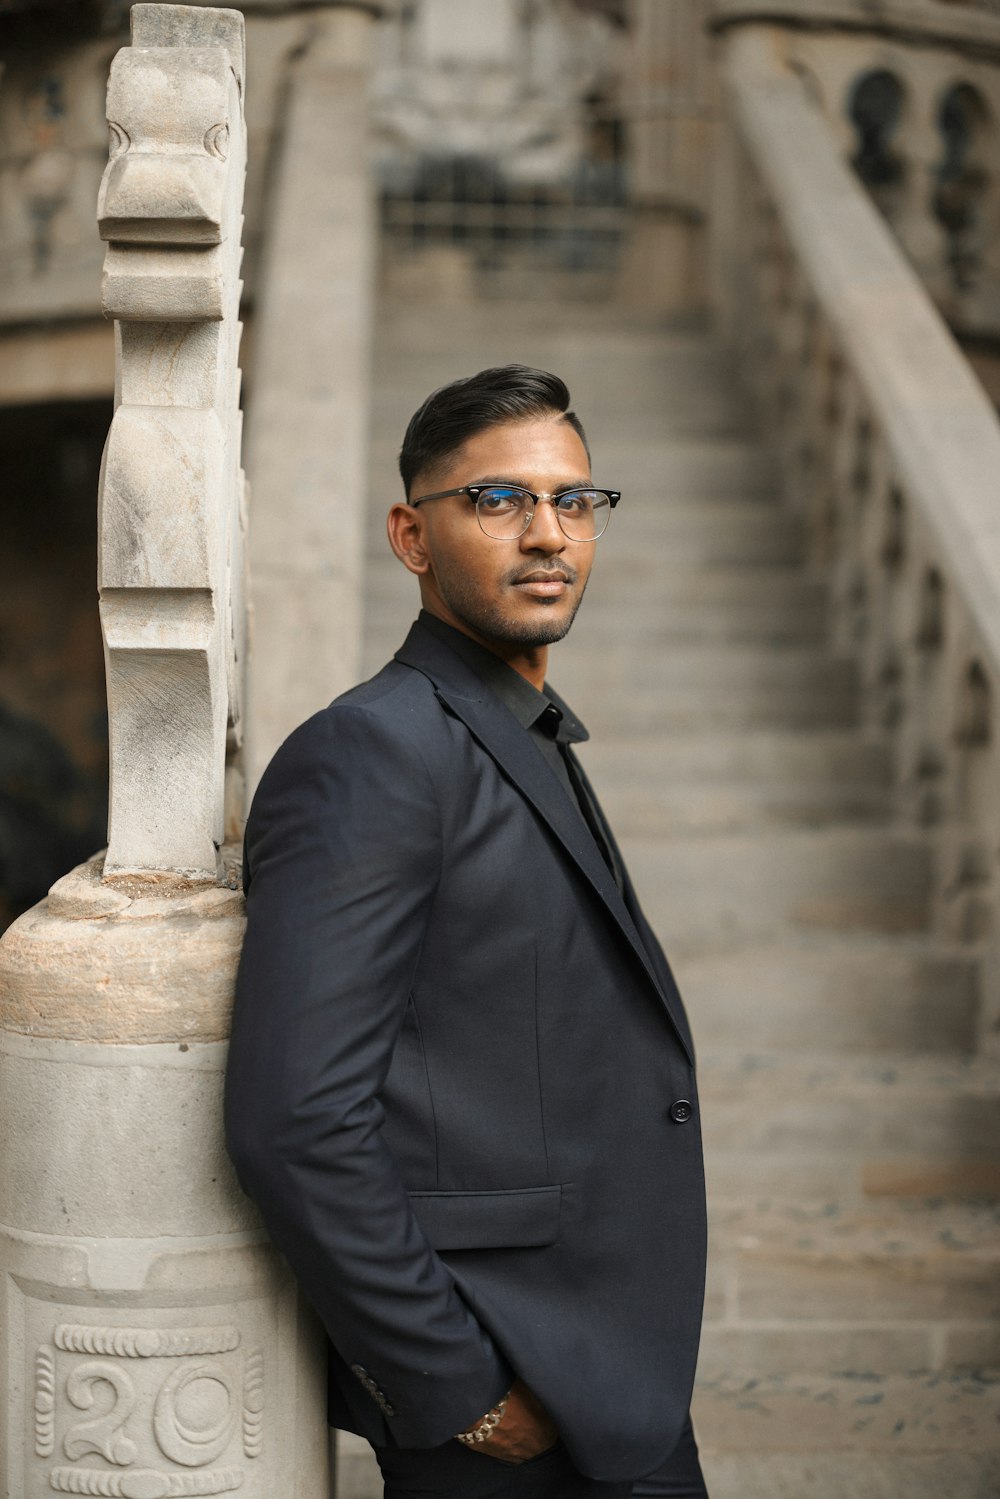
point(45, 1390)
point(144, 1483)
point(172, 505)
point(253, 1404)
point(146, 1342)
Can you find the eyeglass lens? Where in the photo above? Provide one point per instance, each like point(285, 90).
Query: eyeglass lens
point(507, 513)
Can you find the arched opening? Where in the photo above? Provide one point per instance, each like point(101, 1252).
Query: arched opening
point(963, 179)
point(875, 109)
point(53, 719)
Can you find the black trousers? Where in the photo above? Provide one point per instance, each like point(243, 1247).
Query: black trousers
point(453, 1472)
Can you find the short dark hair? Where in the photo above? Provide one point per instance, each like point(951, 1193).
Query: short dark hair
point(456, 412)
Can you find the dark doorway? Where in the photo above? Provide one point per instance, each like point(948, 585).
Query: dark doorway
point(53, 718)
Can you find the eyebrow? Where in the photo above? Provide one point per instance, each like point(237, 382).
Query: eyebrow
point(523, 484)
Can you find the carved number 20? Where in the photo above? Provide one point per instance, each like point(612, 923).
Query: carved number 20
point(102, 1434)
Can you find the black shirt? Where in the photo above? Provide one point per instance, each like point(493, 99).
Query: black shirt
point(551, 723)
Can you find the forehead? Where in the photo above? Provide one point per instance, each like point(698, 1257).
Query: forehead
point(543, 449)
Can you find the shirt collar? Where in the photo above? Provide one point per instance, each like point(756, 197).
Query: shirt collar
point(546, 709)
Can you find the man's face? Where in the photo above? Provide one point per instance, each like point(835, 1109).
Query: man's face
point(518, 593)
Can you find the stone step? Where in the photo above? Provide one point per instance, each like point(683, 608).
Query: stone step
point(760, 757)
point(796, 1128)
point(892, 1287)
point(837, 1174)
point(665, 786)
point(822, 1268)
point(696, 688)
point(816, 1436)
point(910, 1106)
point(851, 1474)
point(713, 893)
point(836, 995)
point(679, 808)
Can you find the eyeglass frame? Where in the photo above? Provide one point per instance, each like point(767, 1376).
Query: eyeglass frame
point(475, 490)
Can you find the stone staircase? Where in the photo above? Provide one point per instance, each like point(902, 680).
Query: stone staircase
point(853, 1315)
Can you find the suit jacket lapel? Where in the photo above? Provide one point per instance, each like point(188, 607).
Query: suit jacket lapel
point(464, 695)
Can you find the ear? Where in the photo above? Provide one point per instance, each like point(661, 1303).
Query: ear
point(405, 529)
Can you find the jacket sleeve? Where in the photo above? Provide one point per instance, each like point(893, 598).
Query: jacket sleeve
point(343, 854)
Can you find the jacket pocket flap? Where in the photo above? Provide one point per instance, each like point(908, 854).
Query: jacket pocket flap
point(522, 1219)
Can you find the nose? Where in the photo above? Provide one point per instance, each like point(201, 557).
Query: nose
point(544, 534)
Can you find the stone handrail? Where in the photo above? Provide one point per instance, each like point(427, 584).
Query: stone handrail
point(886, 442)
point(911, 90)
point(928, 21)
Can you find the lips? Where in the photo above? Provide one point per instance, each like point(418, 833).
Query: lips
point(543, 584)
point(548, 575)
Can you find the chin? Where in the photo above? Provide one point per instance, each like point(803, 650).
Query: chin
point(543, 627)
point(540, 624)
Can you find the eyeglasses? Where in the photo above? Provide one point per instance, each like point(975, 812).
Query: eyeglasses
point(505, 511)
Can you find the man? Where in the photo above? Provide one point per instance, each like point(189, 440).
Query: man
point(461, 1082)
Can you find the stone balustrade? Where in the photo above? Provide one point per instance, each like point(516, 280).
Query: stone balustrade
point(890, 449)
point(911, 90)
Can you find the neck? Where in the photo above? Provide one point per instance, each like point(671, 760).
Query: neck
point(529, 661)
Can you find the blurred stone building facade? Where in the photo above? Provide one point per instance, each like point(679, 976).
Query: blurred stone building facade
point(515, 148)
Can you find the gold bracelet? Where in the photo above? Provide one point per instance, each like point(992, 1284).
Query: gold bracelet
point(487, 1426)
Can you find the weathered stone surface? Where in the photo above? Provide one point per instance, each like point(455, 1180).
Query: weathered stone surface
point(93, 963)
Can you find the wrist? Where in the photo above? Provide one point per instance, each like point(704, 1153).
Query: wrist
point(485, 1426)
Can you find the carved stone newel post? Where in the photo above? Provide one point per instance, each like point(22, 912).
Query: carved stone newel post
point(152, 1342)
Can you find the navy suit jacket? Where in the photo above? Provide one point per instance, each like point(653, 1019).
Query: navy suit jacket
point(456, 1046)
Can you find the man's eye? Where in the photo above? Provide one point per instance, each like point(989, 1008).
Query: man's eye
point(577, 501)
point(500, 500)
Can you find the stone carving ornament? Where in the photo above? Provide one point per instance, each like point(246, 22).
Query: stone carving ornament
point(172, 510)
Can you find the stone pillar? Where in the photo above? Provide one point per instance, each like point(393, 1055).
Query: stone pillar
point(307, 425)
point(669, 103)
point(152, 1343)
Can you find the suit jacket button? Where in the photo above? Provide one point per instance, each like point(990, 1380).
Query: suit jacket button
point(681, 1111)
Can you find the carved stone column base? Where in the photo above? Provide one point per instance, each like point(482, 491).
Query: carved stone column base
point(152, 1342)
